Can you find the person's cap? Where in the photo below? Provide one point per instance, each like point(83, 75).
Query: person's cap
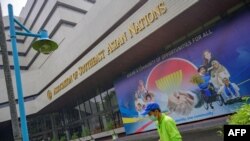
point(150, 107)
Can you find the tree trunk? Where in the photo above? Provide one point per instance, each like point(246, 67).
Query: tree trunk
point(9, 86)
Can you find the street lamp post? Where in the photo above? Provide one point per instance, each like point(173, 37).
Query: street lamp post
point(44, 45)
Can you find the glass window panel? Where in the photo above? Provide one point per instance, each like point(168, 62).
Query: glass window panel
point(106, 100)
point(107, 121)
point(118, 119)
point(72, 114)
point(95, 124)
point(93, 105)
point(113, 98)
point(87, 108)
point(81, 109)
point(99, 103)
point(85, 128)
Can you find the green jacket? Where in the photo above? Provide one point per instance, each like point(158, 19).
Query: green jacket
point(167, 129)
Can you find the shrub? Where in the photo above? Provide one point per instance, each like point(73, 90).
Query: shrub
point(110, 125)
point(85, 132)
point(242, 115)
point(74, 136)
point(54, 139)
point(63, 138)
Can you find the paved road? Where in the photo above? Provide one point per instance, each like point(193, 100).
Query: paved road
point(199, 135)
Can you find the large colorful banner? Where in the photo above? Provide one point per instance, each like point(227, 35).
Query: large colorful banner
point(206, 78)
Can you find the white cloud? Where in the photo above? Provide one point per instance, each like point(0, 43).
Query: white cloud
point(17, 6)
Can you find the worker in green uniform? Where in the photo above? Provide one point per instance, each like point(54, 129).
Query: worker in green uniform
point(166, 125)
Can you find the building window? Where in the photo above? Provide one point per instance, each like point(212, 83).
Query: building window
point(113, 99)
point(95, 126)
point(106, 100)
point(87, 108)
point(93, 105)
point(100, 113)
point(99, 103)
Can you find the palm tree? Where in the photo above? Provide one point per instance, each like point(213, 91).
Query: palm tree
point(9, 86)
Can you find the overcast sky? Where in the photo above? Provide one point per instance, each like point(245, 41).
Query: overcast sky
point(17, 6)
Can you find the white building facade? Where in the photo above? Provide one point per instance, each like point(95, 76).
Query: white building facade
point(71, 91)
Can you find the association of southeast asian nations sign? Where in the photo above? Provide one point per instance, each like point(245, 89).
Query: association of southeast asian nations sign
point(134, 29)
point(237, 132)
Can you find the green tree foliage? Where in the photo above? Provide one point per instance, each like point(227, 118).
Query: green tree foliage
point(110, 125)
point(85, 132)
point(242, 115)
point(74, 136)
point(63, 138)
point(54, 139)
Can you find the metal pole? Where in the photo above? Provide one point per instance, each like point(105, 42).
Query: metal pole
point(9, 85)
point(24, 128)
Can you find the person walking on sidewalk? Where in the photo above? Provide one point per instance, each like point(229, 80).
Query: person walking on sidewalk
point(166, 125)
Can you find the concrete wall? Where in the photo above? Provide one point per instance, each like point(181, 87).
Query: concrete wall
point(58, 17)
point(35, 22)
